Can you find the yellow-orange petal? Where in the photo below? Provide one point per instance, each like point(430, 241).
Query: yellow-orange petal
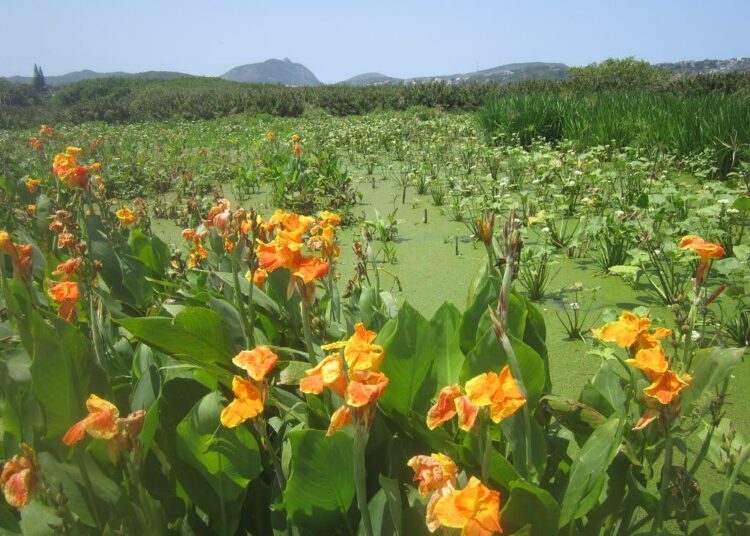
point(667, 386)
point(248, 403)
point(649, 416)
point(360, 353)
point(341, 417)
point(650, 359)
point(433, 472)
point(328, 373)
point(256, 362)
point(365, 387)
point(467, 413)
point(445, 407)
point(311, 268)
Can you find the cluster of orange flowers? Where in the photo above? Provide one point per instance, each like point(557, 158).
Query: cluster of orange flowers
point(285, 249)
point(498, 392)
point(475, 509)
point(20, 478)
point(104, 422)
point(67, 168)
point(250, 394)
point(647, 355)
point(47, 131)
point(356, 378)
point(36, 143)
point(32, 185)
point(20, 254)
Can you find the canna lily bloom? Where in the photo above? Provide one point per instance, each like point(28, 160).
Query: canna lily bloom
point(271, 136)
point(310, 268)
point(256, 362)
point(329, 219)
point(65, 294)
point(631, 332)
point(297, 149)
point(706, 250)
point(341, 417)
point(248, 403)
point(295, 138)
point(365, 387)
point(474, 509)
point(19, 478)
point(500, 392)
point(258, 278)
point(650, 360)
point(20, 254)
point(68, 268)
point(279, 253)
point(667, 386)
point(328, 373)
point(359, 352)
point(449, 404)
point(433, 472)
point(228, 245)
point(32, 185)
point(188, 234)
point(65, 239)
point(44, 130)
point(649, 416)
point(126, 217)
point(36, 143)
point(76, 177)
point(100, 423)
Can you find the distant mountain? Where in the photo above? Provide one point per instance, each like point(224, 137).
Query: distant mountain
point(87, 75)
point(273, 71)
point(367, 79)
point(695, 67)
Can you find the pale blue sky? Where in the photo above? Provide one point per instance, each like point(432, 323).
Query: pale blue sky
point(339, 39)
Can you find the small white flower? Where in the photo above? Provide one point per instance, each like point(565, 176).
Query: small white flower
point(724, 201)
point(657, 251)
point(695, 335)
point(575, 306)
point(619, 213)
point(545, 229)
point(733, 211)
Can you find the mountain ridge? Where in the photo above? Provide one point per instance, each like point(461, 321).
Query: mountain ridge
point(286, 72)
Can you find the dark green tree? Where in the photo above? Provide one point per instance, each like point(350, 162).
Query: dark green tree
point(39, 83)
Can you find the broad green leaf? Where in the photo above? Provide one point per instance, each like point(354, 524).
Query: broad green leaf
point(711, 366)
point(530, 505)
point(392, 491)
point(196, 334)
point(36, 519)
point(588, 471)
point(408, 364)
point(152, 252)
point(317, 496)
point(61, 368)
point(484, 296)
point(448, 356)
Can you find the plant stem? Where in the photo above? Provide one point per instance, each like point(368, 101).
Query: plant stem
point(308, 332)
point(280, 478)
point(666, 473)
point(727, 498)
point(249, 337)
point(89, 490)
point(360, 476)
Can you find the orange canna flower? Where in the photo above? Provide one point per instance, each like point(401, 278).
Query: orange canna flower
point(433, 472)
point(188, 234)
point(706, 250)
point(310, 268)
point(649, 416)
point(76, 177)
point(65, 239)
point(100, 423)
point(19, 478)
point(258, 277)
point(650, 360)
point(248, 403)
point(474, 509)
point(365, 387)
point(449, 404)
point(31, 209)
point(20, 254)
point(65, 294)
point(667, 386)
point(96, 166)
point(297, 149)
point(126, 217)
point(279, 253)
point(625, 331)
point(68, 268)
point(329, 219)
point(44, 130)
point(328, 373)
point(228, 245)
point(295, 138)
point(6, 244)
point(500, 392)
point(256, 362)
point(36, 143)
point(341, 417)
point(32, 185)
point(359, 352)
point(271, 135)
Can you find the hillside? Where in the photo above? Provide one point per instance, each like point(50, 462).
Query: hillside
point(273, 71)
point(696, 67)
point(366, 79)
point(86, 74)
